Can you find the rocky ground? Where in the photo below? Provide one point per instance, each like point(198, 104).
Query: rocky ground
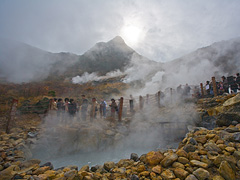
point(211, 151)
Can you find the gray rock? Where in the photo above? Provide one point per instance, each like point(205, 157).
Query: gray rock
point(236, 154)
point(232, 129)
point(193, 141)
point(95, 168)
point(108, 165)
point(212, 147)
point(134, 177)
point(201, 174)
point(226, 171)
point(191, 177)
point(134, 157)
point(236, 137)
point(189, 148)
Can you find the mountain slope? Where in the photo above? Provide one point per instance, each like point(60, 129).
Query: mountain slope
point(23, 63)
point(218, 59)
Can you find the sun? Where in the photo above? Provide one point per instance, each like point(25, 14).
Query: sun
point(131, 34)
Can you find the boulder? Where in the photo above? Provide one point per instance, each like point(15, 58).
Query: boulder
point(154, 158)
point(168, 174)
point(189, 148)
point(134, 157)
point(191, 177)
point(226, 119)
point(157, 169)
point(226, 171)
point(212, 147)
point(180, 173)
point(201, 174)
point(198, 164)
point(168, 160)
point(108, 165)
point(183, 160)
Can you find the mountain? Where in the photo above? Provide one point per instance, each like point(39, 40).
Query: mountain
point(218, 59)
point(23, 63)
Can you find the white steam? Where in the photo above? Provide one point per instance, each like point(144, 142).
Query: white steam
point(88, 77)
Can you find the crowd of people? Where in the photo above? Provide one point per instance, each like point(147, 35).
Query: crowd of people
point(84, 108)
point(229, 85)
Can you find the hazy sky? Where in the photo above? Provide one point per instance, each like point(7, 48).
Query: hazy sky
point(158, 29)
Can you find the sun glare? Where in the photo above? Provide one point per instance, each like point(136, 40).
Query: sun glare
point(131, 34)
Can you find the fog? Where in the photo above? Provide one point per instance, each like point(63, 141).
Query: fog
point(66, 140)
point(167, 29)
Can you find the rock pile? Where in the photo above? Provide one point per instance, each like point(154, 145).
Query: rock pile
point(203, 154)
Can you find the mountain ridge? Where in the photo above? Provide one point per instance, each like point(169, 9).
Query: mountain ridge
point(33, 64)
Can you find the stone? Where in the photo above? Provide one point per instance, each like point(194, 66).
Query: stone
point(108, 165)
point(192, 141)
point(169, 160)
point(191, 177)
point(134, 177)
point(226, 171)
point(177, 164)
point(9, 172)
point(154, 158)
point(143, 158)
point(226, 118)
point(201, 139)
point(180, 173)
point(29, 163)
point(144, 173)
point(125, 163)
point(212, 147)
point(189, 148)
point(85, 168)
point(50, 173)
point(236, 137)
point(238, 163)
point(201, 174)
point(95, 168)
point(70, 174)
point(183, 160)
point(119, 170)
point(157, 169)
point(219, 159)
point(134, 156)
point(168, 174)
point(48, 164)
point(220, 141)
point(230, 149)
point(141, 168)
point(232, 129)
point(198, 164)
point(193, 156)
point(218, 178)
point(41, 170)
point(182, 153)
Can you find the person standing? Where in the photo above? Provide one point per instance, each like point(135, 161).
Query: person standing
point(103, 106)
point(60, 108)
point(94, 109)
point(84, 108)
point(114, 107)
point(72, 107)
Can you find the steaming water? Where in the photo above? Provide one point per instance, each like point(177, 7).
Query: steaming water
point(99, 157)
point(145, 133)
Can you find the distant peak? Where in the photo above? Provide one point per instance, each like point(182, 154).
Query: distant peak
point(117, 39)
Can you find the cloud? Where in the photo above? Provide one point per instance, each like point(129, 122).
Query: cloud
point(169, 28)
